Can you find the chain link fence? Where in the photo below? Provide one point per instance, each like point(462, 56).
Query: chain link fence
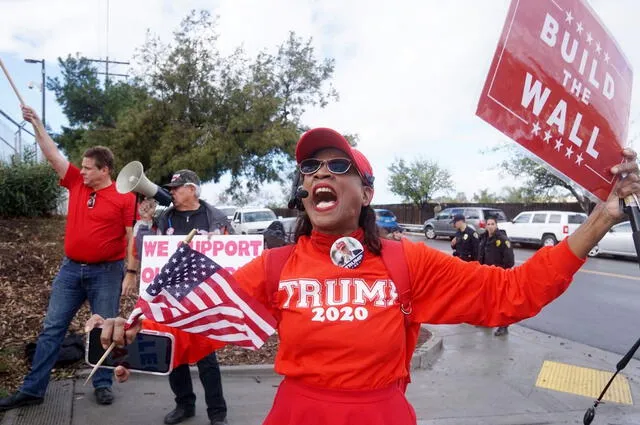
point(15, 138)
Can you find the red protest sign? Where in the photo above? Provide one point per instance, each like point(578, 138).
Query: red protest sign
point(560, 86)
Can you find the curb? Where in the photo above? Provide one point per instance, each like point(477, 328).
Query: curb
point(427, 352)
point(423, 357)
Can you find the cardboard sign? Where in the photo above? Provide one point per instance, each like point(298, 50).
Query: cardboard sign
point(560, 86)
point(229, 251)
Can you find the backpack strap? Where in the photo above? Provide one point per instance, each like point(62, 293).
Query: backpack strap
point(273, 265)
point(396, 264)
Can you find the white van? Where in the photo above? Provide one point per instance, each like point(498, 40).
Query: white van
point(542, 228)
point(251, 221)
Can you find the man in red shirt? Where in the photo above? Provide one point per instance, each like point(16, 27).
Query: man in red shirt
point(343, 333)
point(98, 229)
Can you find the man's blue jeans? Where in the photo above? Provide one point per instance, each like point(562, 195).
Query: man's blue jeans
point(101, 284)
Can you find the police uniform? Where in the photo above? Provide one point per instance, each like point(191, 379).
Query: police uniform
point(466, 247)
point(496, 250)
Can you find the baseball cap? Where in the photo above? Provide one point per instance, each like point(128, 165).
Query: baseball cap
point(182, 177)
point(322, 138)
point(458, 217)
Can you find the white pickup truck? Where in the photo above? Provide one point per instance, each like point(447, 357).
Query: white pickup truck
point(542, 228)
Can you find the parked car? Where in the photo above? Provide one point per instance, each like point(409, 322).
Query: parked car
point(542, 228)
point(228, 210)
point(617, 241)
point(248, 221)
point(475, 217)
point(385, 218)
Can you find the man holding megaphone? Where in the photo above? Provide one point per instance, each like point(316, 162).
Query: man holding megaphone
point(188, 212)
point(98, 229)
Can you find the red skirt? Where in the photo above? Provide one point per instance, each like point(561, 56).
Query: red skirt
point(300, 404)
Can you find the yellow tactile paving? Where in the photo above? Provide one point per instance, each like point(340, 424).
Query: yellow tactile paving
point(583, 381)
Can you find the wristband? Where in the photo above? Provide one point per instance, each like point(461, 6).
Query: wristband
point(132, 271)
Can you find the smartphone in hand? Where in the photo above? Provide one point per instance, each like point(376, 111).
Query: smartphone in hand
point(151, 352)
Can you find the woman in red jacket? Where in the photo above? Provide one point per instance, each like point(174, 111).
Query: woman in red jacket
point(342, 332)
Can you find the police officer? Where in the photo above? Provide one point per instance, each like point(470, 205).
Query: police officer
point(465, 243)
point(496, 250)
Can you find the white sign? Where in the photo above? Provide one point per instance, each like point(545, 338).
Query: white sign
point(230, 251)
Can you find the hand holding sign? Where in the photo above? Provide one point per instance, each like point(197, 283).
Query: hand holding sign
point(560, 86)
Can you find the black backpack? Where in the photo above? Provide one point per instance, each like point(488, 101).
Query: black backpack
point(71, 351)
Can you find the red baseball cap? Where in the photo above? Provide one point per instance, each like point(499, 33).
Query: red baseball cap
point(322, 138)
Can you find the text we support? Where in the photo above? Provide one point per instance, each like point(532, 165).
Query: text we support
point(231, 252)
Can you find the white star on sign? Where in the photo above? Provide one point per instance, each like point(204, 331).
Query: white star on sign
point(580, 28)
point(547, 136)
point(536, 128)
point(558, 144)
point(598, 48)
point(569, 152)
point(578, 158)
point(569, 17)
point(589, 38)
point(606, 57)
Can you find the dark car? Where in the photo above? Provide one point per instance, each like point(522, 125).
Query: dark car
point(476, 218)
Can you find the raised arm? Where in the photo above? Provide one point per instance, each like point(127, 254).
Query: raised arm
point(608, 213)
point(447, 291)
point(47, 145)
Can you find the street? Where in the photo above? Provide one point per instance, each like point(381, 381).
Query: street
point(601, 308)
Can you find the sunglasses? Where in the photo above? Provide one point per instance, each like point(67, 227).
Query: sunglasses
point(92, 200)
point(335, 166)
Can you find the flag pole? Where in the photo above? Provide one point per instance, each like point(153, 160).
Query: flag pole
point(102, 359)
point(187, 239)
point(13, 86)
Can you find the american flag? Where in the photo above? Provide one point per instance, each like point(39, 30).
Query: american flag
point(196, 295)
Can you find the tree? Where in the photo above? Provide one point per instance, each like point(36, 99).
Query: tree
point(190, 106)
point(87, 105)
point(419, 181)
point(460, 197)
point(485, 197)
point(538, 181)
point(516, 195)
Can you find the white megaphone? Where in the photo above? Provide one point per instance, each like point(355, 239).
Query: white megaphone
point(132, 178)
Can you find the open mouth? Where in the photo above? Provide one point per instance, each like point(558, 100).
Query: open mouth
point(324, 198)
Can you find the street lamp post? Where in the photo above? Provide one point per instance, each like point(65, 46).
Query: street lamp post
point(41, 61)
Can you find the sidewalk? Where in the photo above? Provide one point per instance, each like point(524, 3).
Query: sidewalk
point(476, 379)
point(483, 380)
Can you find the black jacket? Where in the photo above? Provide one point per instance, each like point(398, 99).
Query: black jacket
point(217, 219)
point(496, 250)
point(466, 244)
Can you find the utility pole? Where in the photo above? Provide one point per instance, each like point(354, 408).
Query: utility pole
point(106, 73)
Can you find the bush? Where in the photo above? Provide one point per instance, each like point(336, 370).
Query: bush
point(28, 188)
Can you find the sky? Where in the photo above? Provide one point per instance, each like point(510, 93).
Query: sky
point(409, 73)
